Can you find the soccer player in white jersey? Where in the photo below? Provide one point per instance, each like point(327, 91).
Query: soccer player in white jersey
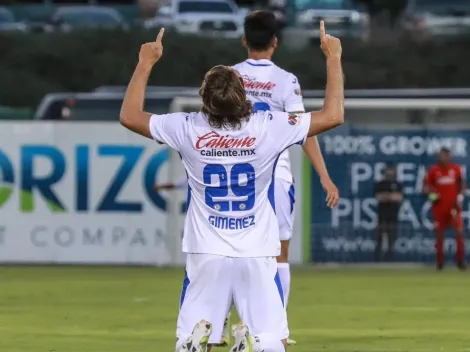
point(231, 235)
point(269, 87)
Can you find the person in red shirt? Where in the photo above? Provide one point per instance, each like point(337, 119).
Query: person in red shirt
point(446, 187)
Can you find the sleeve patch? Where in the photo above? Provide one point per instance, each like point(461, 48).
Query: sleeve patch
point(293, 119)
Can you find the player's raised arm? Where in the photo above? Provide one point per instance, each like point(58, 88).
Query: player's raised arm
point(332, 113)
point(132, 115)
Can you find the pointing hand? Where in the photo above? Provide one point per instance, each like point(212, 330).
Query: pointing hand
point(151, 52)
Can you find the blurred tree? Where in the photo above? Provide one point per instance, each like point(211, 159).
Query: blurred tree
point(59, 62)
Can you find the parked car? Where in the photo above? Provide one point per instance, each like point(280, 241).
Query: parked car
point(432, 19)
point(68, 18)
point(95, 106)
point(220, 18)
point(342, 18)
point(8, 22)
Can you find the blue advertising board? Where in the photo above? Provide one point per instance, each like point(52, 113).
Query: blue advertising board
point(356, 157)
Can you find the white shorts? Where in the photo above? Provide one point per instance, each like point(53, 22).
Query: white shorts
point(212, 282)
point(284, 195)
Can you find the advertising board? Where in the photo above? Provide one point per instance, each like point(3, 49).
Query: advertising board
point(356, 158)
point(82, 193)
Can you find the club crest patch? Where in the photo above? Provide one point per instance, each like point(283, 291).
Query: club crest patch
point(293, 119)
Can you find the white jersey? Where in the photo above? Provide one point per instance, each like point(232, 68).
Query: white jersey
point(269, 87)
point(231, 179)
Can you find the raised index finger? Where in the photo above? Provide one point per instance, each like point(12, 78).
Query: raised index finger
point(322, 30)
point(160, 36)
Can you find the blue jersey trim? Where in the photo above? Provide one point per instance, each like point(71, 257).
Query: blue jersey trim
point(292, 197)
point(277, 280)
point(271, 192)
point(188, 199)
point(185, 206)
point(186, 283)
point(257, 65)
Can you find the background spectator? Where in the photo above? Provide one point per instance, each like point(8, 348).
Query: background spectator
point(389, 195)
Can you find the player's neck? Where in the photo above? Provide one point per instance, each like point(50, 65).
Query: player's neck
point(260, 55)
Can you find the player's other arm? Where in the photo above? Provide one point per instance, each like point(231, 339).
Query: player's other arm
point(313, 151)
point(332, 113)
point(132, 115)
point(294, 105)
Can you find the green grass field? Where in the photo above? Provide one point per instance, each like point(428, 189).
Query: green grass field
point(85, 309)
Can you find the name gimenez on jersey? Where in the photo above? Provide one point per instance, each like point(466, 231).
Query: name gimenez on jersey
point(217, 145)
point(229, 223)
